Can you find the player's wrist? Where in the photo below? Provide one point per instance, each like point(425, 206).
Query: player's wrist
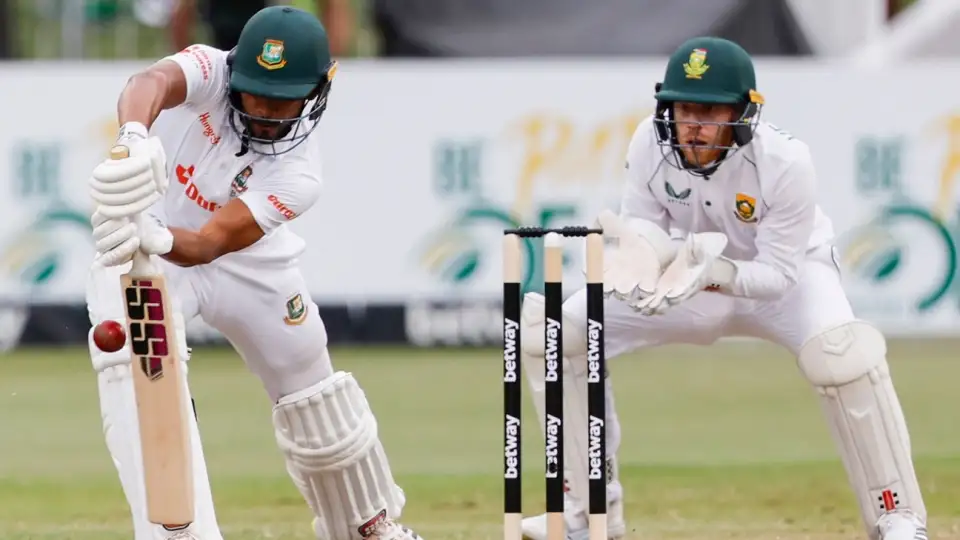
point(155, 237)
point(722, 276)
point(132, 131)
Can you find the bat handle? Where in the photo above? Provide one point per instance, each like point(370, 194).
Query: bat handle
point(141, 261)
point(142, 265)
point(119, 152)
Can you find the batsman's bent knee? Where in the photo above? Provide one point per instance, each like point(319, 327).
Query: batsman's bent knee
point(848, 367)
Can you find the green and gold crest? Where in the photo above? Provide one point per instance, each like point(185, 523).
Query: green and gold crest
point(271, 56)
point(745, 208)
point(296, 310)
point(696, 65)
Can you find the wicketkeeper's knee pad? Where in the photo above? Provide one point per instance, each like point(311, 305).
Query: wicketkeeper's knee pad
point(328, 435)
point(848, 367)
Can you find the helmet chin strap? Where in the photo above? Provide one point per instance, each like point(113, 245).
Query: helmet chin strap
point(244, 143)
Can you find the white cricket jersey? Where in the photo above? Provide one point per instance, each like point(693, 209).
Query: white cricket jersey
point(206, 173)
point(763, 197)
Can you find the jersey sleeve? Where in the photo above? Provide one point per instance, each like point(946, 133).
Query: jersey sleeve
point(206, 72)
point(782, 235)
point(638, 200)
point(281, 198)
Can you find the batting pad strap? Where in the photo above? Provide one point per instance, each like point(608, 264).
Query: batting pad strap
point(847, 365)
point(328, 435)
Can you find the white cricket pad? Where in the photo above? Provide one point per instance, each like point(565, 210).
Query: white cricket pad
point(848, 367)
point(329, 436)
point(576, 444)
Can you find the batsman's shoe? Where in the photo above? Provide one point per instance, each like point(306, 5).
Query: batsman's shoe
point(182, 535)
point(535, 527)
point(391, 530)
point(902, 525)
point(386, 529)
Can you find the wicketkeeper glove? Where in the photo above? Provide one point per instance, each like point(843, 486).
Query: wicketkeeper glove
point(698, 266)
point(631, 268)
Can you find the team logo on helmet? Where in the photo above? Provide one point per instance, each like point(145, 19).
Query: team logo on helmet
point(745, 207)
point(271, 56)
point(696, 66)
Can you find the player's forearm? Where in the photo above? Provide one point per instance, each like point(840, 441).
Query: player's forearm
point(751, 279)
point(161, 86)
point(142, 99)
point(191, 248)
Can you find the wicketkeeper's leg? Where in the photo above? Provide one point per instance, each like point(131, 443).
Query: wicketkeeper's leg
point(848, 367)
point(119, 413)
point(845, 361)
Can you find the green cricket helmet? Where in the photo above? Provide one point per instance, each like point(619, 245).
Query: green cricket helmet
point(708, 71)
point(283, 53)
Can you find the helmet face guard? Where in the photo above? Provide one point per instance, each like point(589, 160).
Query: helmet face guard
point(742, 130)
point(707, 71)
point(292, 132)
point(282, 54)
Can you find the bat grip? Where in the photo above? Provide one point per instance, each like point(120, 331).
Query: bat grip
point(142, 266)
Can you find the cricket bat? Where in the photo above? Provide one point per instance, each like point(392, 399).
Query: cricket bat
point(160, 393)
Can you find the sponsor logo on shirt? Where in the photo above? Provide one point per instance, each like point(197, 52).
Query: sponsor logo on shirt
point(282, 208)
point(192, 192)
point(675, 196)
point(200, 59)
point(208, 130)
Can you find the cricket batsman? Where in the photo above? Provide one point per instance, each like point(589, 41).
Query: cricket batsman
point(719, 234)
point(231, 131)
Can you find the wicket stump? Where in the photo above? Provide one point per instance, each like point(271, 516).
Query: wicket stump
point(553, 379)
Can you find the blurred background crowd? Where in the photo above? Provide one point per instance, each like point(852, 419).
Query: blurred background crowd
point(115, 29)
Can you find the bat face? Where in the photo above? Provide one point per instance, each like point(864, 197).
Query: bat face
point(162, 407)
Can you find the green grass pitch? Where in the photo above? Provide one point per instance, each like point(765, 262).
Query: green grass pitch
point(719, 443)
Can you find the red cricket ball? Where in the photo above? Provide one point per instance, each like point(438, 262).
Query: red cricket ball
point(109, 336)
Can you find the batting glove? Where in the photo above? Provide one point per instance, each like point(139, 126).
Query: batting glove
point(123, 188)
